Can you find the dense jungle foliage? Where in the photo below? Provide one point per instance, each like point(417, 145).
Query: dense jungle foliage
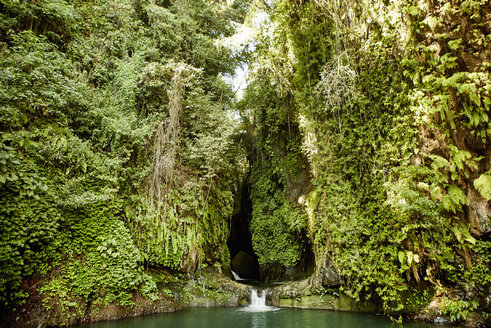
point(386, 103)
point(363, 134)
point(117, 144)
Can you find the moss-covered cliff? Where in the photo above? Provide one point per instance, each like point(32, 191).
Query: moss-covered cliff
point(360, 159)
point(386, 105)
point(117, 150)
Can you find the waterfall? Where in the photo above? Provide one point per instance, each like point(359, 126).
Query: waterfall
point(236, 276)
point(258, 298)
point(258, 302)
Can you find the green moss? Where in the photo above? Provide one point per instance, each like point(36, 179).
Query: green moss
point(329, 302)
point(379, 119)
point(89, 85)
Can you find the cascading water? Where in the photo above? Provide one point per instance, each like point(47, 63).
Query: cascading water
point(236, 276)
point(258, 301)
point(258, 298)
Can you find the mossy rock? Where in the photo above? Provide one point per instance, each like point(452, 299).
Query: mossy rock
point(346, 303)
point(325, 302)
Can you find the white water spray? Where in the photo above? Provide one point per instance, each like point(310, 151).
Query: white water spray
point(258, 302)
point(236, 276)
point(258, 298)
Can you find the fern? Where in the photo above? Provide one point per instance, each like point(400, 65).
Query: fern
point(453, 200)
point(483, 185)
point(438, 162)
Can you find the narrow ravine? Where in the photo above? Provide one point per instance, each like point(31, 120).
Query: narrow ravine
point(250, 157)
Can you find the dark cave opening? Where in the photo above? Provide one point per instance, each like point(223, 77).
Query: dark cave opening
point(243, 259)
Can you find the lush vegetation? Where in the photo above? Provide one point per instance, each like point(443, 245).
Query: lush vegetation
point(388, 102)
point(363, 133)
point(117, 144)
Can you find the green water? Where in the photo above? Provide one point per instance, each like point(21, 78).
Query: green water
point(250, 318)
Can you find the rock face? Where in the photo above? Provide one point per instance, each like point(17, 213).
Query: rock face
point(209, 288)
point(142, 307)
point(301, 295)
point(298, 185)
point(479, 213)
point(487, 300)
point(35, 315)
point(245, 266)
point(311, 294)
point(327, 276)
point(206, 288)
point(277, 272)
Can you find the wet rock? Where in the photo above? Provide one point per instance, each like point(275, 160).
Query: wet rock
point(277, 272)
point(479, 213)
point(37, 316)
point(440, 320)
point(209, 288)
point(465, 291)
point(487, 300)
point(244, 265)
point(300, 295)
point(329, 275)
point(142, 307)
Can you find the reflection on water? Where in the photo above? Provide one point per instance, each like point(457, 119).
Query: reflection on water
point(242, 318)
point(258, 321)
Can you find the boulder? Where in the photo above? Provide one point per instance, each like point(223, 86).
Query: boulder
point(327, 276)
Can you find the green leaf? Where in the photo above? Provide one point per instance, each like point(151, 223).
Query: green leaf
point(458, 234)
point(487, 102)
point(401, 256)
point(413, 11)
point(483, 185)
point(438, 162)
point(454, 44)
point(462, 234)
point(470, 239)
point(454, 199)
